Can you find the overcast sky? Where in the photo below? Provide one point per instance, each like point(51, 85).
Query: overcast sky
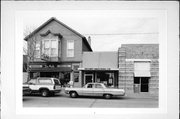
point(108, 29)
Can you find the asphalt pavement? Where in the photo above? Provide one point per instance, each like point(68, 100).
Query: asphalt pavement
point(64, 100)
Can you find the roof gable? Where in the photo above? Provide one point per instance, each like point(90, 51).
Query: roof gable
point(54, 19)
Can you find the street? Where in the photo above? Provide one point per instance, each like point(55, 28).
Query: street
point(64, 100)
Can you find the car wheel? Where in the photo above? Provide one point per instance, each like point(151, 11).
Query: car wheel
point(107, 96)
point(73, 94)
point(44, 93)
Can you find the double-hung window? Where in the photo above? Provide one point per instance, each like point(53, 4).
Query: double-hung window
point(37, 50)
point(70, 48)
point(46, 47)
point(54, 48)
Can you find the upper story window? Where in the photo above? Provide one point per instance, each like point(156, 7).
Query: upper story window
point(70, 48)
point(37, 50)
point(51, 47)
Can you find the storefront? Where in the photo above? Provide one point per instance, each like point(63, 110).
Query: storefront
point(107, 76)
point(99, 67)
point(64, 72)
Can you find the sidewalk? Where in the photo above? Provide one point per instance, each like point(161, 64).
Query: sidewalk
point(142, 96)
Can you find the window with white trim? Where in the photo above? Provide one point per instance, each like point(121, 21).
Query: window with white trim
point(37, 50)
point(70, 48)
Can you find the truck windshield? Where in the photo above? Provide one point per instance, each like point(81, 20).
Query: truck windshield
point(56, 82)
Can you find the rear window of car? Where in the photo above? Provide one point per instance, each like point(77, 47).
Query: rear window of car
point(56, 81)
point(45, 81)
point(98, 86)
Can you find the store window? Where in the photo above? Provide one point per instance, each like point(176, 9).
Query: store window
point(70, 48)
point(76, 72)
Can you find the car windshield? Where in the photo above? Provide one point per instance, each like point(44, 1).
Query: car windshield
point(33, 81)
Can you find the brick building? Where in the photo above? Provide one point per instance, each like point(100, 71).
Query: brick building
point(55, 50)
point(139, 68)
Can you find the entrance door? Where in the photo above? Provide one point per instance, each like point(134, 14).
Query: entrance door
point(88, 78)
point(144, 84)
point(141, 84)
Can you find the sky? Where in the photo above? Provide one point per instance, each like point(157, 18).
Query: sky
point(107, 29)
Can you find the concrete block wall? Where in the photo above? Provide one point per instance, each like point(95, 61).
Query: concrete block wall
point(154, 80)
point(126, 67)
point(126, 70)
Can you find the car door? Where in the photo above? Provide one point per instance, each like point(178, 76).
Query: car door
point(98, 90)
point(88, 90)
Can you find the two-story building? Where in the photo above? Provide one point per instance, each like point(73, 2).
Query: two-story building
point(56, 50)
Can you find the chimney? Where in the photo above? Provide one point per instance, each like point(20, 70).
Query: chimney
point(89, 40)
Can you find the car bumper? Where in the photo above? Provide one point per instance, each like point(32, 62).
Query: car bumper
point(27, 92)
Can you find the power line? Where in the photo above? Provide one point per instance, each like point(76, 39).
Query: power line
point(124, 33)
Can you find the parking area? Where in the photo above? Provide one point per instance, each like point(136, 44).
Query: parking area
point(63, 100)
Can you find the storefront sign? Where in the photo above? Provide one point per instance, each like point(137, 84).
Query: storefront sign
point(97, 68)
point(49, 66)
point(63, 65)
point(35, 66)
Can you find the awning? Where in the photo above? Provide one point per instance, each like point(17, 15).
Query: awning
point(56, 69)
point(99, 69)
point(142, 74)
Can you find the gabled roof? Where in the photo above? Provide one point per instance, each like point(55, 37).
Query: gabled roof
point(54, 19)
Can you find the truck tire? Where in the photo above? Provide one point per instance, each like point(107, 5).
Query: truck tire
point(73, 94)
point(107, 96)
point(44, 92)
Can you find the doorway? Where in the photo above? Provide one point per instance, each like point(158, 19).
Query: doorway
point(141, 84)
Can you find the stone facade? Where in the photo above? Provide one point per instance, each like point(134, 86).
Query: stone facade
point(128, 54)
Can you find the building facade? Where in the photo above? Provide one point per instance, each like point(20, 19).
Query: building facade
point(100, 67)
point(139, 68)
point(55, 50)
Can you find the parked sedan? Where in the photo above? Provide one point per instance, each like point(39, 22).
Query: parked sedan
point(95, 89)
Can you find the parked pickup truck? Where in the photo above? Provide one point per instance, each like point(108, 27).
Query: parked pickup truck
point(95, 89)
